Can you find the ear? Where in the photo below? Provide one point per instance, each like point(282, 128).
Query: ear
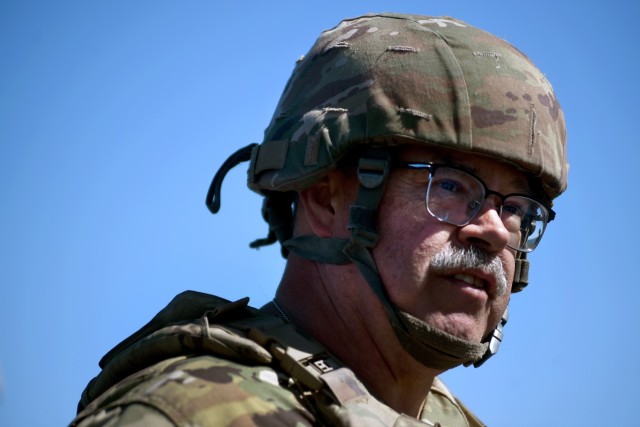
point(325, 205)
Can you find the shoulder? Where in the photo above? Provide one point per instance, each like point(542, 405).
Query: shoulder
point(201, 390)
point(441, 405)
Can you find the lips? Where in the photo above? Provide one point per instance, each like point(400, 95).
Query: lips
point(472, 280)
point(478, 279)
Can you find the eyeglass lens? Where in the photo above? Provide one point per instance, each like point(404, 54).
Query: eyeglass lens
point(455, 197)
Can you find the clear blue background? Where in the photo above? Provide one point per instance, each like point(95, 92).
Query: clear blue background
point(114, 116)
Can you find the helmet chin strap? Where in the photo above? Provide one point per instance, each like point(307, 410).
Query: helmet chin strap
point(429, 345)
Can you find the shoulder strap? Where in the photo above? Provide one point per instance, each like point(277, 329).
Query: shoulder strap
point(174, 332)
point(331, 391)
point(183, 307)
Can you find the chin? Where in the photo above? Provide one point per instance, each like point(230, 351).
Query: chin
point(462, 327)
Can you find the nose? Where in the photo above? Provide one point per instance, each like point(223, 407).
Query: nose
point(486, 230)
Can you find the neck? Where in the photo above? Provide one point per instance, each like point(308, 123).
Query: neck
point(342, 314)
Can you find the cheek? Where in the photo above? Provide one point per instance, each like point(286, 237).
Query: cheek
point(409, 237)
point(402, 212)
point(500, 304)
point(509, 266)
point(495, 315)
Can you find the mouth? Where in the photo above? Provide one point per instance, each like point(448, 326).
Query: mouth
point(478, 280)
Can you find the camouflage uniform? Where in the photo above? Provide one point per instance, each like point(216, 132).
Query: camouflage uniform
point(203, 361)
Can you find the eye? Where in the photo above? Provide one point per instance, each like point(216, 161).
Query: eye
point(522, 213)
point(520, 207)
point(449, 185)
point(462, 190)
point(513, 210)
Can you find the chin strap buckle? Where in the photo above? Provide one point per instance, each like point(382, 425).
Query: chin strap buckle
point(494, 341)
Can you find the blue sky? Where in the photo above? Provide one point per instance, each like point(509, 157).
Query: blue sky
point(115, 115)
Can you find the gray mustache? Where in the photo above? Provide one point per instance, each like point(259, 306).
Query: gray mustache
point(452, 258)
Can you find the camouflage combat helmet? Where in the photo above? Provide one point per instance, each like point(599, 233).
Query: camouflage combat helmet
point(431, 80)
point(387, 79)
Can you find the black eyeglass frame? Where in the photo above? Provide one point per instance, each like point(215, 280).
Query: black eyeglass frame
point(432, 167)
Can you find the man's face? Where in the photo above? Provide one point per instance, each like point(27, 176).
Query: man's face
point(464, 302)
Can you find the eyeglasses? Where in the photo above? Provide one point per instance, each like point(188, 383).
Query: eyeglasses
point(455, 197)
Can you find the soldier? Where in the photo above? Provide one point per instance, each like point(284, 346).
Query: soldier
point(409, 168)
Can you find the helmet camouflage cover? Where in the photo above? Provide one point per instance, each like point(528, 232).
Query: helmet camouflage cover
point(386, 78)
